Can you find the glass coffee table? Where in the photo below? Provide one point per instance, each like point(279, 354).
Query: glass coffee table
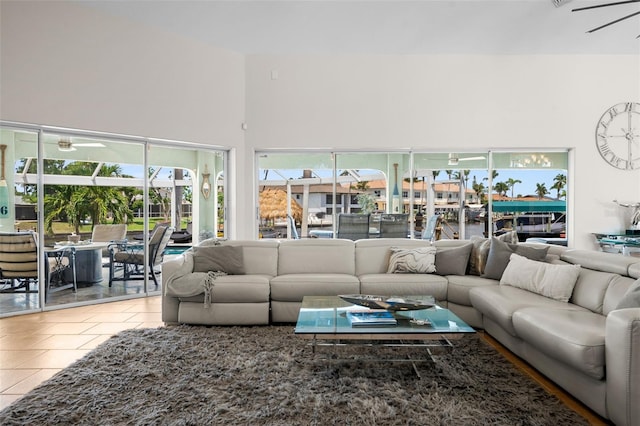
point(324, 320)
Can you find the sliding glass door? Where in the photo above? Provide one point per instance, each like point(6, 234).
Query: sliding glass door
point(104, 212)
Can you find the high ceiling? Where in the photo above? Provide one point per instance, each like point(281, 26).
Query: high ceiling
point(390, 27)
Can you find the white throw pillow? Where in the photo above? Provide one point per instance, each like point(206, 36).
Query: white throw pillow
point(553, 281)
point(421, 260)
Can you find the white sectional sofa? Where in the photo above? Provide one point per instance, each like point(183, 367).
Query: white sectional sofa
point(586, 345)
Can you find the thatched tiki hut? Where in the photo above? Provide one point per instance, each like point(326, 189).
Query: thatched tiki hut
point(273, 205)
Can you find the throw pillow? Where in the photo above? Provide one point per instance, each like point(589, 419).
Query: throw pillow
point(453, 260)
point(631, 298)
point(227, 259)
point(419, 260)
point(553, 281)
point(500, 252)
point(479, 253)
point(510, 237)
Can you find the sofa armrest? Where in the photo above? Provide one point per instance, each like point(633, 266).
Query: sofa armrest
point(170, 304)
point(623, 366)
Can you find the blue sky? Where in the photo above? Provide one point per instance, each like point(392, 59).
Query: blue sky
point(529, 177)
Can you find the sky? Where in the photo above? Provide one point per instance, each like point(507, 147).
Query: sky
point(529, 177)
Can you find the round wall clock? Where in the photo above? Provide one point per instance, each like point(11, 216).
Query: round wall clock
point(618, 136)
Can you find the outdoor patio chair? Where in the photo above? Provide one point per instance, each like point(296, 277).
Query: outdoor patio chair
point(128, 258)
point(353, 226)
point(59, 260)
point(394, 225)
point(18, 262)
point(108, 233)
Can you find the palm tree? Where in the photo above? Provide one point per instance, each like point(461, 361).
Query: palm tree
point(541, 190)
point(480, 190)
point(462, 175)
point(74, 203)
point(501, 188)
point(559, 182)
point(512, 183)
point(494, 175)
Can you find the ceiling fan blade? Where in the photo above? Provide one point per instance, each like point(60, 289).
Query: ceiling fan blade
point(471, 158)
point(91, 144)
point(604, 5)
point(613, 22)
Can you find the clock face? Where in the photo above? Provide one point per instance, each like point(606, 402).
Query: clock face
point(618, 136)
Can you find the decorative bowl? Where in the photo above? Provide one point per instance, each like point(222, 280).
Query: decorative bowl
point(390, 303)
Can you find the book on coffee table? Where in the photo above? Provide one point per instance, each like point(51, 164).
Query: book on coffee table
point(371, 318)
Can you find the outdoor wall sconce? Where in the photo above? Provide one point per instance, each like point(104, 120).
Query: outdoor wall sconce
point(206, 184)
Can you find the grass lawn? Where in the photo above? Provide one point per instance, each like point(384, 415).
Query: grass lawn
point(63, 228)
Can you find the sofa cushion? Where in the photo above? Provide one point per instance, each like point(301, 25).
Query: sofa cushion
point(499, 302)
point(404, 285)
point(576, 338)
point(599, 260)
point(631, 298)
point(453, 260)
point(316, 256)
point(553, 281)
point(593, 287)
point(218, 258)
point(500, 253)
point(260, 256)
point(419, 260)
point(293, 287)
point(634, 269)
point(459, 286)
point(236, 289)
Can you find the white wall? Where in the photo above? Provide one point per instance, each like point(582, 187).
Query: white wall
point(67, 65)
point(453, 103)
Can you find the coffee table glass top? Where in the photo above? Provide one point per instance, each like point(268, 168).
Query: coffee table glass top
point(328, 315)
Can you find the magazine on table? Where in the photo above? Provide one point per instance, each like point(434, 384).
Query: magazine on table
point(371, 318)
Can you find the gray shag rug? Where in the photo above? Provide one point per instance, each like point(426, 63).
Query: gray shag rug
point(187, 375)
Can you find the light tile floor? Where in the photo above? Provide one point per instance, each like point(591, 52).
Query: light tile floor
point(34, 347)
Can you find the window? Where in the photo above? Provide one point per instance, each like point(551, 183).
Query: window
point(458, 186)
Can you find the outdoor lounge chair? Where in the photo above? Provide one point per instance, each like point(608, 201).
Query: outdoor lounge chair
point(353, 226)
